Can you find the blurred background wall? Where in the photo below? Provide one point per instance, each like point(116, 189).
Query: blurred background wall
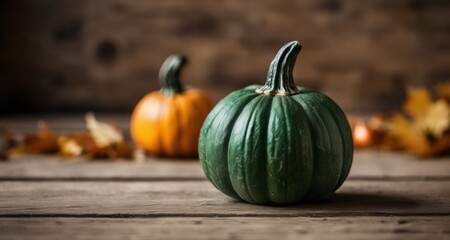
point(104, 55)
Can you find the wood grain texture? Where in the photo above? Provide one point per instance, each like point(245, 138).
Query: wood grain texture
point(48, 168)
point(368, 164)
point(200, 198)
point(227, 228)
point(61, 123)
point(388, 196)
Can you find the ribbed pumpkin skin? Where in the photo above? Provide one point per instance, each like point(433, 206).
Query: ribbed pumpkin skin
point(170, 125)
point(271, 149)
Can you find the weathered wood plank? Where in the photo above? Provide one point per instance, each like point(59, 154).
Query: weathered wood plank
point(368, 164)
point(51, 167)
point(199, 198)
point(61, 123)
point(227, 228)
point(373, 163)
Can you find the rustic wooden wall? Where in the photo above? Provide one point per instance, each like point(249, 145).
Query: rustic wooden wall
point(79, 55)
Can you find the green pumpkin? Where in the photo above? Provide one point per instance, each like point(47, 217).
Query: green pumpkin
point(277, 143)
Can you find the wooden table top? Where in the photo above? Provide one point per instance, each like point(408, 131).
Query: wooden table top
point(387, 196)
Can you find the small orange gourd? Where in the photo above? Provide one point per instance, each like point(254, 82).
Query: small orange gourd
point(167, 122)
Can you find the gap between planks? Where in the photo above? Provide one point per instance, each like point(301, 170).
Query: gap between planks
point(224, 215)
point(181, 179)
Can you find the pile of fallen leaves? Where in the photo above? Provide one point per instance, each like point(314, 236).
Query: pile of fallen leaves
point(424, 127)
point(99, 141)
point(421, 128)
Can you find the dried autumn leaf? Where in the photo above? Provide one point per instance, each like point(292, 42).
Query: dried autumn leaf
point(103, 134)
point(119, 150)
point(108, 141)
point(426, 132)
point(435, 120)
point(417, 102)
point(69, 147)
point(409, 137)
point(83, 140)
point(94, 152)
point(44, 142)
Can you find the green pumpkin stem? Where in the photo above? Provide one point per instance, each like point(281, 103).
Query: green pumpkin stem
point(279, 78)
point(169, 75)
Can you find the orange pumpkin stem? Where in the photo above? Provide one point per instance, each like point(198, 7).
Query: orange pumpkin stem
point(169, 75)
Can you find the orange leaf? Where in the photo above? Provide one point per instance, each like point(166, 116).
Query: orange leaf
point(43, 142)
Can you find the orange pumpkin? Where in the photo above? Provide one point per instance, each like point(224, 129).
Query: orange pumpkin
point(167, 122)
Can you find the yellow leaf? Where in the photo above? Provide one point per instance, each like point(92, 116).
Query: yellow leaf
point(103, 134)
point(68, 147)
point(417, 102)
point(410, 137)
point(435, 120)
